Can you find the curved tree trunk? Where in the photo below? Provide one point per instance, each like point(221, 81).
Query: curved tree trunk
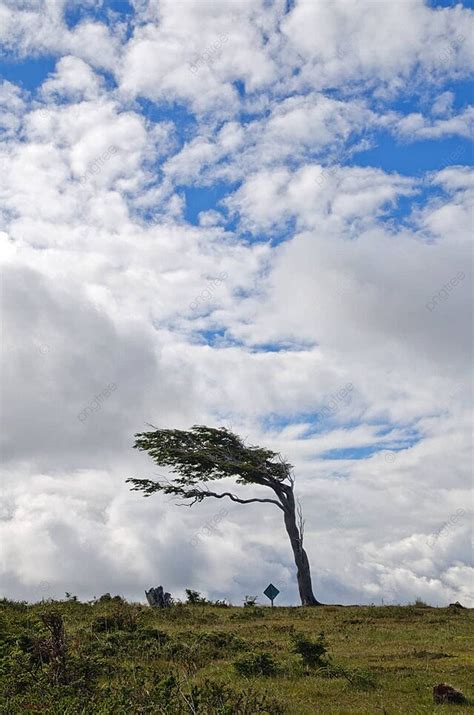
point(301, 559)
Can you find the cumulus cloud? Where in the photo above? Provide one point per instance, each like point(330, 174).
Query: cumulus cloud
point(39, 27)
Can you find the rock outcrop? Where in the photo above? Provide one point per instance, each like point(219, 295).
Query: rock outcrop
point(157, 598)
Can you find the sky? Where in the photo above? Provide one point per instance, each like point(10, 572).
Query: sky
point(248, 214)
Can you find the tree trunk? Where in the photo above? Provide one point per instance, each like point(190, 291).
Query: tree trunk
point(301, 559)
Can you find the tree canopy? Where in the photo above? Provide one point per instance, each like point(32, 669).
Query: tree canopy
point(204, 454)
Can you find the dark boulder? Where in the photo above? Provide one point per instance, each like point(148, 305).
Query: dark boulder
point(444, 693)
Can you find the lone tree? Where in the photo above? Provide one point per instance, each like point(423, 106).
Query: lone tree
point(206, 454)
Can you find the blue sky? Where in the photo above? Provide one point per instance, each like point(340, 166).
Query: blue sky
point(319, 155)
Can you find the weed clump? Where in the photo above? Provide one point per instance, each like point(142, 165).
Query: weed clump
point(314, 653)
point(122, 618)
point(249, 614)
point(358, 678)
point(194, 598)
point(256, 664)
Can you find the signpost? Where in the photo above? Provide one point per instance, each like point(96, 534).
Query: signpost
point(271, 592)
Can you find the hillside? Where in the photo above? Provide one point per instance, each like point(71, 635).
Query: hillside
point(116, 657)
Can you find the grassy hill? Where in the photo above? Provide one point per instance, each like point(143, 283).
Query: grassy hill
point(116, 657)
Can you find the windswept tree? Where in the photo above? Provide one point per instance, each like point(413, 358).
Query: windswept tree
point(206, 454)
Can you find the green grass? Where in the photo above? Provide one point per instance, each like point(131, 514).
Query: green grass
point(127, 658)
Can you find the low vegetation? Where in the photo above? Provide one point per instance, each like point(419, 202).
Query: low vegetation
point(110, 657)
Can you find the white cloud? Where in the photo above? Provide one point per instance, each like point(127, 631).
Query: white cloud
point(415, 126)
point(367, 42)
point(443, 104)
point(40, 28)
point(73, 79)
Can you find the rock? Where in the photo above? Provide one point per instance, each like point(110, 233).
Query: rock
point(157, 598)
point(456, 604)
point(444, 693)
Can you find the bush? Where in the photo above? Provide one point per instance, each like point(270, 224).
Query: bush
point(212, 697)
point(314, 653)
point(118, 621)
point(249, 614)
point(261, 663)
point(153, 634)
point(221, 640)
point(194, 597)
point(191, 656)
point(106, 598)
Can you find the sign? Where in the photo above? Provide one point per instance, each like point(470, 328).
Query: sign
point(271, 592)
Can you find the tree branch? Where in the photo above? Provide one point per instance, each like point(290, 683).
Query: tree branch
point(243, 501)
point(197, 494)
point(301, 521)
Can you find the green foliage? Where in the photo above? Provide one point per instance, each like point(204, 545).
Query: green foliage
point(204, 454)
point(194, 597)
point(260, 663)
point(123, 617)
point(221, 641)
point(106, 598)
point(218, 699)
point(249, 614)
point(314, 653)
point(358, 678)
point(153, 635)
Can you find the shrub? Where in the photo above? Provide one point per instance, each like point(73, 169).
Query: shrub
point(106, 598)
point(191, 657)
point(153, 634)
point(174, 695)
point(221, 639)
point(249, 614)
point(194, 597)
point(103, 624)
point(20, 606)
point(50, 650)
point(55, 646)
point(314, 653)
point(212, 697)
point(261, 663)
point(123, 617)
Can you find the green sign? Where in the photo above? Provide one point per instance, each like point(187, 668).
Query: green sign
point(271, 592)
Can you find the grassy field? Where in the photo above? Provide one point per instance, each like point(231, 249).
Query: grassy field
point(115, 657)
